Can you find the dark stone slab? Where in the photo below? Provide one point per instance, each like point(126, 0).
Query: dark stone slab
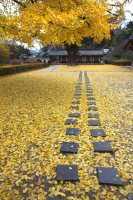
point(76, 102)
point(130, 196)
point(93, 108)
point(94, 123)
point(77, 97)
point(74, 108)
point(74, 115)
point(102, 147)
point(55, 198)
point(71, 121)
point(97, 132)
point(91, 103)
point(72, 131)
point(91, 98)
point(90, 95)
point(89, 91)
point(69, 147)
point(67, 173)
point(108, 176)
point(91, 115)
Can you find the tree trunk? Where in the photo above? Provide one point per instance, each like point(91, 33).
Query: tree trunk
point(73, 53)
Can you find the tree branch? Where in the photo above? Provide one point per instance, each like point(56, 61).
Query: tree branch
point(112, 13)
point(18, 2)
point(21, 4)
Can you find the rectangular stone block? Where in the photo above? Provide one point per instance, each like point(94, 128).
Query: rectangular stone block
point(91, 98)
point(67, 173)
point(94, 123)
point(109, 176)
point(72, 131)
point(93, 108)
point(102, 147)
point(69, 147)
point(74, 108)
point(74, 115)
point(98, 132)
point(71, 121)
point(91, 103)
point(91, 115)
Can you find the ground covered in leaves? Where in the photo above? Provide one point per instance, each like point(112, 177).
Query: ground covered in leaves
point(94, 68)
point(34, 107)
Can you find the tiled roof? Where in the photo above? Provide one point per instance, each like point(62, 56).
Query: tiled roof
point(58, 53)
point(81, 52)
point(91, 52)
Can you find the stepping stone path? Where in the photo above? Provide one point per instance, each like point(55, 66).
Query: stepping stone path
point(67, 173)
point(130, 197)
point(74, 108)
point(90, 95)
point(91, 115)
point(70, 172)
point(93, 108)
point(74, 115)
point(69, 147)
point(102, 147)
point(94, 123)
point(98, 132)
point(91, 98)
point(91, 103)
point(72, 131)
point(107, 176)
point(54, 198)
point(71, 121)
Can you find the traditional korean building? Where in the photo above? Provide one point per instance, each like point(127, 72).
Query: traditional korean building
point(129, 44)
point(85, 55)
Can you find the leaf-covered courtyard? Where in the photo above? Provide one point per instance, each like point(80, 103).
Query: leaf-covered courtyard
point(34, 108)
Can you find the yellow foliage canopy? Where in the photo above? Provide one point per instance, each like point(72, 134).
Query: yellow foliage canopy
point(58, 22)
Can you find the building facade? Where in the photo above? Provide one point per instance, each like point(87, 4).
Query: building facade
point(85, 56)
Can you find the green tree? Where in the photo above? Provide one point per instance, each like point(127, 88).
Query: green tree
point(121, 34)
point(17, 50)
point(4, 53)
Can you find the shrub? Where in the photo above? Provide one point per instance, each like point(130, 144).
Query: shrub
point(122, 62)
point(7, 70)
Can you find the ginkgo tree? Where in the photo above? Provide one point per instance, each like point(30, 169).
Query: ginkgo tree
point(59, 22)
